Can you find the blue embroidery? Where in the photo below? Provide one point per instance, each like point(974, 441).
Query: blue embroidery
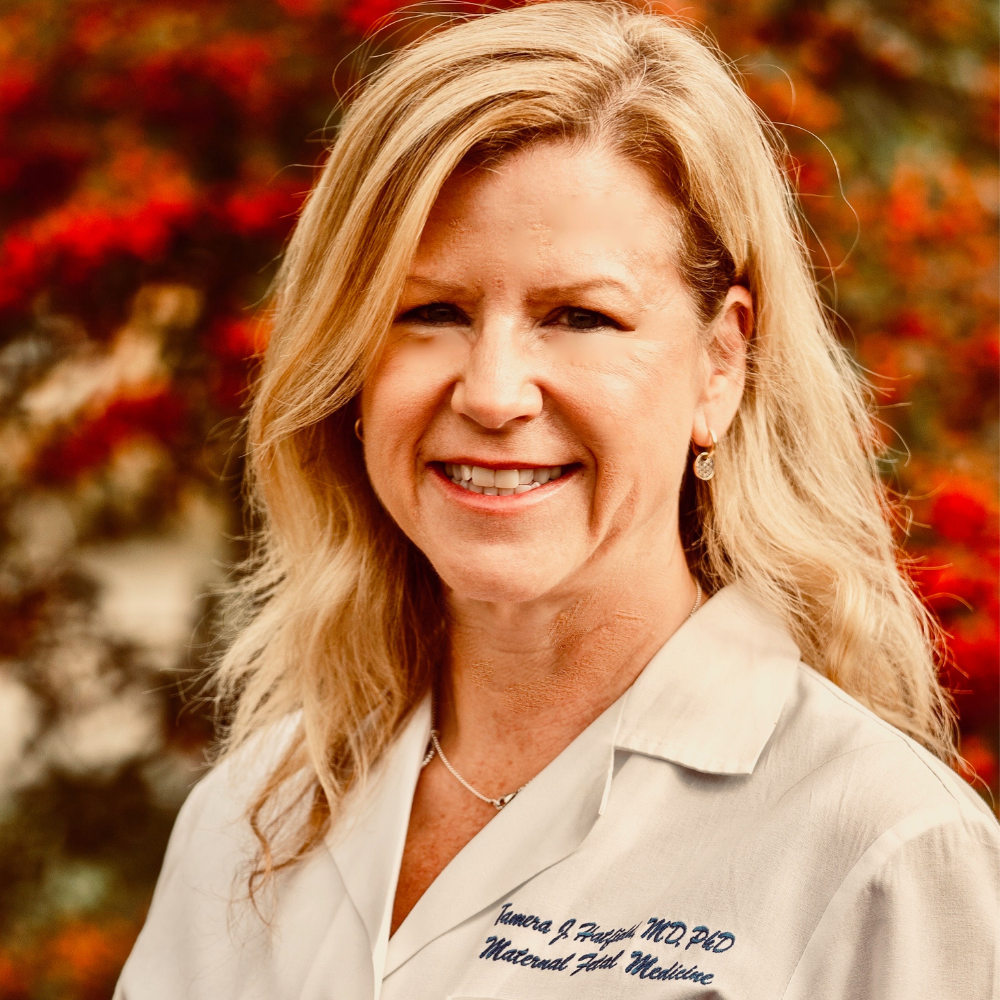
point(522, 920)
point(592, 961)
point(657, 927)
point(695, 938)
point(644, 966)
point(592, 932)
point(717, 942)
point(564, 931)
point(725, 938)
point(499, 950)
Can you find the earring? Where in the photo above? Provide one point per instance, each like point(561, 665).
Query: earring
point(359, 431)
point(704, 462)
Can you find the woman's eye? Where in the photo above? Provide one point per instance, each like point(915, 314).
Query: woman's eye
point(434, 314)
point(584, 319)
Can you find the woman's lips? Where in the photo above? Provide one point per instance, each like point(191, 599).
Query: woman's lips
point(488, 481)
point(500, 481)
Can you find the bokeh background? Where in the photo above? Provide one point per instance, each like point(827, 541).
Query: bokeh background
point(152, 157)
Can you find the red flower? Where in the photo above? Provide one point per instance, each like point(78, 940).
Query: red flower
point(959, 517)
point(18, 84)
point(80, 960)
point(364, 15)
point(262, 210)
point(981, 758)
point(85, 958)
point(234, 342)
point(302, 8)
point(22, 265)
point(910, 324)
point(75, 241)
point(238, 339)
point(14, 978)
point(949, 590)
point(976, 650)
point(90, 445)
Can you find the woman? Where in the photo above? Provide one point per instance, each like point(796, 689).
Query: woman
point(576, 661)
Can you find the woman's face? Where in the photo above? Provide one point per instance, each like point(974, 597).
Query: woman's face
point(546, 346)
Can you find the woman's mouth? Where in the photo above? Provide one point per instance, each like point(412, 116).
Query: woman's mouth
point(500, 482)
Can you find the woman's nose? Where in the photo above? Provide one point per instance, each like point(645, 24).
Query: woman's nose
point(497, 384)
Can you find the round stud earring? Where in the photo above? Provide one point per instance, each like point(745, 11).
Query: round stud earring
point(358, 430)
point(704, 461)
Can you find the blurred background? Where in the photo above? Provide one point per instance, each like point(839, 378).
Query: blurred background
point(152, 157)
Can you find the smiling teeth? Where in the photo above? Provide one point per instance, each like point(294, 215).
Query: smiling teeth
point(500, 482)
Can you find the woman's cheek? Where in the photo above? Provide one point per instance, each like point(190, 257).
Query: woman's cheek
point(629, 392)
point(409, 381)
point(437, 354)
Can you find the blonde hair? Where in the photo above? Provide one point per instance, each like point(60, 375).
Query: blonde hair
point(340, 615)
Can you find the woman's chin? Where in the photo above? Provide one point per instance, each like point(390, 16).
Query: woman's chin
point(516, 582)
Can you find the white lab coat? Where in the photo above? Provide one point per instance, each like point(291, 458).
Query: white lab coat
point(734, 827)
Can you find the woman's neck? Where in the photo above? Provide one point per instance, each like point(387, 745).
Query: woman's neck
point(525, 679)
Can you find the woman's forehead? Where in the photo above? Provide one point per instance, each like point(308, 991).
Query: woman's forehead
point(558, 206)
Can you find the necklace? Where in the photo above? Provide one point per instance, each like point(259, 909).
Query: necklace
point(435, 746)
point(499, 803)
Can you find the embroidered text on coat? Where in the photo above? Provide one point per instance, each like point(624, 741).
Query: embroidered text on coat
point(500, 950)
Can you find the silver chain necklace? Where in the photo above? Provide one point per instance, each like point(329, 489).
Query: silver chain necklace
point(497, 804)
point(503, 800)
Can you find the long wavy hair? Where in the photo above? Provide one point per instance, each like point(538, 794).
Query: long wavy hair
point(337, 615)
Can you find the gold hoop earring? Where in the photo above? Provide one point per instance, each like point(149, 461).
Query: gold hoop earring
point(359, 431)
point(704, 461)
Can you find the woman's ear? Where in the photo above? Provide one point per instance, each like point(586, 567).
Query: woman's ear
point(726, 367)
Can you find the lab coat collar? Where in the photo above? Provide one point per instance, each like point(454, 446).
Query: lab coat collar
point(711, 697)
point(368, 846)
point(708, 700)
point(565, 800)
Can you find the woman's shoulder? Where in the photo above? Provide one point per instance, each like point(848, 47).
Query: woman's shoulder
point(858, 766)
point(204, 936)
point(238, 774)
point(213, 818)
point(908, 853)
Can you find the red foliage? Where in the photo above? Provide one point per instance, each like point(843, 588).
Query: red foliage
point(946, 588)
point(89, 446)
point(912, 324)
point(80, 960)
point(234, 343)
point(18, 83)
point(238, 339)
point(365, 15)
point(149, 144)
point(959, 517)
point(981, 757)
point(13, 978)
point(75, 241)
point(262, 210)
point(302, 8)
point(86, 958)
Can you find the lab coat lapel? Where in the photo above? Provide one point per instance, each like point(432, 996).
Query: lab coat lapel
point(711, 697)
point(369, 848)
point(546, 822)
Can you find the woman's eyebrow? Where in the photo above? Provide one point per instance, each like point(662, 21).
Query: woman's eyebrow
point(571, 289)
point(437, 285)
point(565, 290)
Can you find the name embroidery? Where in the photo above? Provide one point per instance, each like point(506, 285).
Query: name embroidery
point(500, 950)
point(644, 965)
point(673, 931)
point(592, 961)
point(522, 920)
